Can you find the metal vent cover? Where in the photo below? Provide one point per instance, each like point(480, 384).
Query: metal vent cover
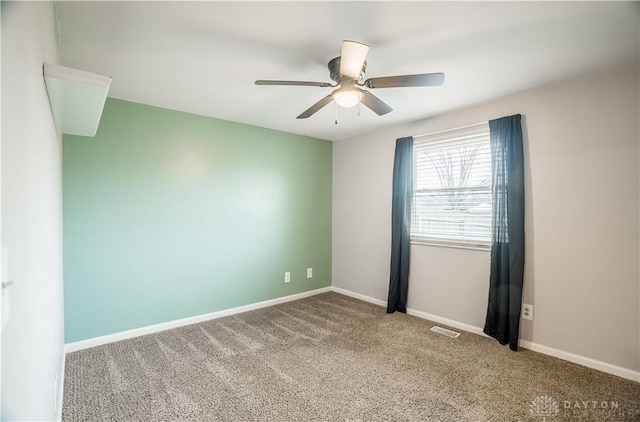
point(444, 331)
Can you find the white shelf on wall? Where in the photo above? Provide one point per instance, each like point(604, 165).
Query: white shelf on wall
point(76, 98)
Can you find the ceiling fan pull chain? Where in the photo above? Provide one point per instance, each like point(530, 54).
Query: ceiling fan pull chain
point(336, 114)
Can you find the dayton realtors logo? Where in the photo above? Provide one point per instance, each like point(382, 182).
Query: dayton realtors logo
point(544, 407)
point(604, 409)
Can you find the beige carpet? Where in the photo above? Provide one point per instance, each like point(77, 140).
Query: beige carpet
point(332, 358)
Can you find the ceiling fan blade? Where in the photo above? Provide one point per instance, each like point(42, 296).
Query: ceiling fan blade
point(316, 107)
point(424, 79)
point(374, 103)
point(352, 58)
point(293, 83)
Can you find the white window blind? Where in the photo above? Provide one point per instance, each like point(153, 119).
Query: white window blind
point(452, 187)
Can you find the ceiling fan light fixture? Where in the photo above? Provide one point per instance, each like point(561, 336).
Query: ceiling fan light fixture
point(347, 98)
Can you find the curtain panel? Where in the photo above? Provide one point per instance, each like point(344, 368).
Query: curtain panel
point(402, 197)
point(507, 240)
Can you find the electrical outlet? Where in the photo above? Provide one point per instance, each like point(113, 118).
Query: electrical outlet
point(309, 272)
point(527, 312)
point(287, 277)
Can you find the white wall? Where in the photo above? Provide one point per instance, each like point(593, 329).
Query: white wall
point(32, 342)
point(582, 213)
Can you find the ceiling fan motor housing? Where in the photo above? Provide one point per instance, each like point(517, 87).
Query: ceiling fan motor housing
point(334, 73)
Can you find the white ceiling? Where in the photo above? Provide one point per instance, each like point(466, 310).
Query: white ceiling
point(203, 57)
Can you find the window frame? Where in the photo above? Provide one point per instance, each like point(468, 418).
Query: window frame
point(447, 136)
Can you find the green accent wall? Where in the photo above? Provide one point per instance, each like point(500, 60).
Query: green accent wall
point(169, 215)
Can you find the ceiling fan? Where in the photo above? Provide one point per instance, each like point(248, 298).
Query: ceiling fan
point(347, 71)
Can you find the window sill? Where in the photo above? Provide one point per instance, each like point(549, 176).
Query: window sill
point(455, 245)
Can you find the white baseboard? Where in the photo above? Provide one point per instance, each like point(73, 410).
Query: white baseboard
point(124, 335)
point(61, 388)
point(362, 297)
point(560, 354)
point(414, 312)
point(446, 321)
point(583, 360)
point(571, 357)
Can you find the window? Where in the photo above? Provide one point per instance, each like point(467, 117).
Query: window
point(452, 188)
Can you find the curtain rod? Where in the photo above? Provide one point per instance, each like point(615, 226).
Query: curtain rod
point(450, 130)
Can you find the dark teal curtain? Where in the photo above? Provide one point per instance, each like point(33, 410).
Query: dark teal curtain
point(402, 197)
point(507, 239)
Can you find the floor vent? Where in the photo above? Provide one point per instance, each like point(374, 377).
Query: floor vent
point(444, 331)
